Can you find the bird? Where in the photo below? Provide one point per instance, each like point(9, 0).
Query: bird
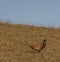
point(39, 47)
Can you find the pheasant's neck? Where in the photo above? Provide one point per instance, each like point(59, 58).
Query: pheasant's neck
point(44, 43)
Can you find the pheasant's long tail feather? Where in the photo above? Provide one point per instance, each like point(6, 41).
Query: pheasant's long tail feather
point(31, 46)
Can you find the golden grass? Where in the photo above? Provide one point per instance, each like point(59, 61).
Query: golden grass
point(14, 41)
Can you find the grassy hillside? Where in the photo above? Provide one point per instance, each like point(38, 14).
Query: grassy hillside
point(14, 40)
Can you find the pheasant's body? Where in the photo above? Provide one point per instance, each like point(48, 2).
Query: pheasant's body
point(39, 47)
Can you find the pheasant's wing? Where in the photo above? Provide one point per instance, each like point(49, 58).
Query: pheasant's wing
point(38, 47)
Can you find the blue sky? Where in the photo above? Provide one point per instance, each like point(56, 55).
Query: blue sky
point(34, 12)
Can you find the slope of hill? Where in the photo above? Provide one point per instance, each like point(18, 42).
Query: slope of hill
point(14, 41)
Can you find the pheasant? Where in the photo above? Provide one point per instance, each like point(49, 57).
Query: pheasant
point(39, 47)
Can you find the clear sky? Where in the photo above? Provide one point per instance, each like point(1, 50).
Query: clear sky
point(35, 12)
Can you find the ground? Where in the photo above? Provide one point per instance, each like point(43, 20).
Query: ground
point(15, 40)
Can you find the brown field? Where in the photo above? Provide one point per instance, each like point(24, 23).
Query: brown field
point(14, 41)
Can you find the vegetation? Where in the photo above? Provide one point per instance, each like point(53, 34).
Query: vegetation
point(14, 41)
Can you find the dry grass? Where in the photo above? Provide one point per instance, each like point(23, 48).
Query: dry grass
point(14, 40)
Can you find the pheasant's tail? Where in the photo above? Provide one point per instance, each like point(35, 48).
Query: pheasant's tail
point(31, 46)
